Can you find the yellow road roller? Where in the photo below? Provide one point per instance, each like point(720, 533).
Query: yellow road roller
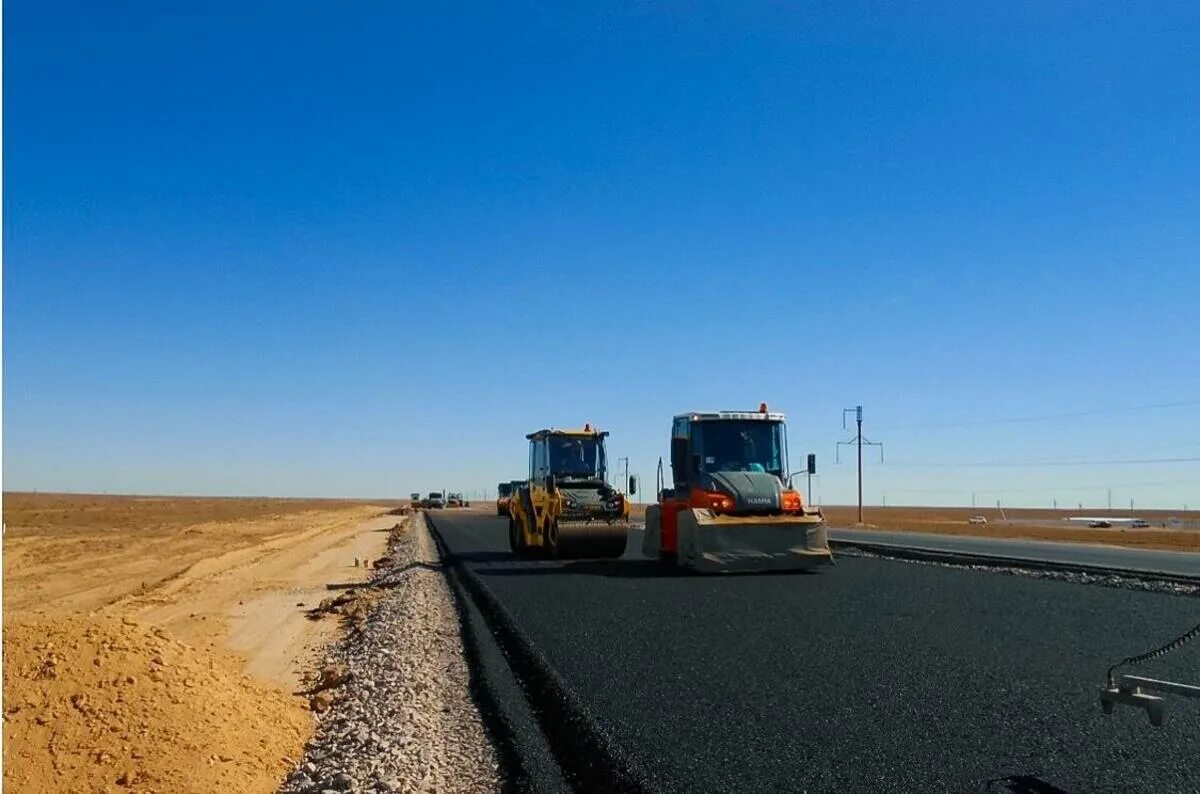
point(567, 509)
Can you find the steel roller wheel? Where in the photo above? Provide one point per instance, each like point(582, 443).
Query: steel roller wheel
point(587, 539)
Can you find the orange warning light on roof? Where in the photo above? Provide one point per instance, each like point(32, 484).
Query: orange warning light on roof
point(587, 426)
point(762, 408)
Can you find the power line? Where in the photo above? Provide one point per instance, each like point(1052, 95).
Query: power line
point(1044, 417)
point(1139, 451)
point(1017, 490)
point(1035, 464)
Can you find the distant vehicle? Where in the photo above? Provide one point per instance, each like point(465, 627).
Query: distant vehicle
point(1140, 524)
point(976, 520)
point(434, 501)
point(414, 500)
point(1107, 521)
point(454, 500)
point(504, 493)
point(1099, 524)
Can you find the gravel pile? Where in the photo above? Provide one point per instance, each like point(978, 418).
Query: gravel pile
point(1078, 577)
point(395, 713)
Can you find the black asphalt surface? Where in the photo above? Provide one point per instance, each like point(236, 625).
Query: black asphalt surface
point(874, 675)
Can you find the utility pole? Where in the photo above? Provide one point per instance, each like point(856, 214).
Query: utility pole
point(1110, 498)
point(972, 499)
point(858, 441)
point(624, 483)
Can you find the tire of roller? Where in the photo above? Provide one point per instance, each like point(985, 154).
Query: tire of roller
point(514, 537)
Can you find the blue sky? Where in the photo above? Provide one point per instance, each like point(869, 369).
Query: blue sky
point(310, 248)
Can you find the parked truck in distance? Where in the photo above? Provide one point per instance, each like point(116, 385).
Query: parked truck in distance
point(504, 492)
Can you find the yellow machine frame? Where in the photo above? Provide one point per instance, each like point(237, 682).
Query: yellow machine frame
point(544, 518)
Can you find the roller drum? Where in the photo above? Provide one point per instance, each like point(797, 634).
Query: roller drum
point(588, 539)
point(722, 543)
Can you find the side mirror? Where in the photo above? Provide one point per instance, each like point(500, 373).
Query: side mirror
point(812, 463)
point(632, 484)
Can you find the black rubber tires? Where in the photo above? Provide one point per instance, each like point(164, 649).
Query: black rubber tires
point(515, 544)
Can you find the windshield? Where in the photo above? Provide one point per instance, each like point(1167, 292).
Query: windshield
point(572, 456)
point(739, 445)
point(505, 489)
point(435, 495)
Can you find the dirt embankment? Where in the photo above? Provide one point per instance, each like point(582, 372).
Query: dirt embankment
point(102, 703)
point(154, 644)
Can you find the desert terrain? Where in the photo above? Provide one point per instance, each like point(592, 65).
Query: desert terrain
point(156, 644)
point(1172, 530)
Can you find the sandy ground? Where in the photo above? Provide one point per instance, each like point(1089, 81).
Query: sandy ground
point(96, 704)
point(223, 582)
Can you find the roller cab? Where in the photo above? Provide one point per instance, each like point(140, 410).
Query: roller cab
point(728, 506)
point(567, 509)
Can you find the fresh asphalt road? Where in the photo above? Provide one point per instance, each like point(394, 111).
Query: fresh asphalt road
point(873, 675)
point(1172, 562)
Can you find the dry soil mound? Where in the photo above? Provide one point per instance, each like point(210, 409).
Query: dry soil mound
point(95, 704)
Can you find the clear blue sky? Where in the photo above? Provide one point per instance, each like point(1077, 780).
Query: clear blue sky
point(317, 248)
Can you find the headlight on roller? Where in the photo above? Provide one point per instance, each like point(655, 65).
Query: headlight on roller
point(719, 502)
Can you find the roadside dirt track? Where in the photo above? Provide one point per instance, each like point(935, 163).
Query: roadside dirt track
point(108, 584)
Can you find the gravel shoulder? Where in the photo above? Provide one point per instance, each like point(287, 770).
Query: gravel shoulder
point(393, 698)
